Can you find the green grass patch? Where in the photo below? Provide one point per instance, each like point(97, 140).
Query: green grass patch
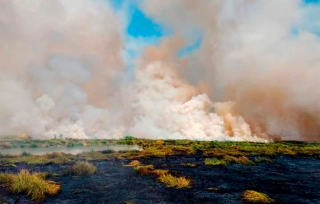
point(228, 160)
point(214, 162)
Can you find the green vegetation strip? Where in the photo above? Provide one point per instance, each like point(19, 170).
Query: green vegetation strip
point(228, 160)
point(230, 152)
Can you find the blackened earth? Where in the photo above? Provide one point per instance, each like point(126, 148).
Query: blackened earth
point(287, 180)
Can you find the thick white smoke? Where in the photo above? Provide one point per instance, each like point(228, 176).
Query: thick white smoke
point(167, 107)
point(61, 66)
point(62, 72)
point(263, 55)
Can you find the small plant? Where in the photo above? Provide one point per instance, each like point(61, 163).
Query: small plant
point(214, 162)
point(251, 196)
point(33, 145)
point(172, 181)
point(191, 165)
point(24, 154)
point(33, 185)
point(83, 168)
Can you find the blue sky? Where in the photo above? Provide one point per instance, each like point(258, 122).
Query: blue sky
point(142, 30)
point(312, 1)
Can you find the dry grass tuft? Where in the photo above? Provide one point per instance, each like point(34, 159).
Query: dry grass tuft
point(191, 165)
point(256, 197)
point(172, 181)
point(34, 185)
point(159, 142)
point(83, 168)
point(133, 163)
point(160, 172)
point(144, 170)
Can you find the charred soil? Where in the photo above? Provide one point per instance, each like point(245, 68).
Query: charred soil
point(287, 179)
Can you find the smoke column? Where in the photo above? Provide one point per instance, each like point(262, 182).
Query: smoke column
point(252, 79)
point(262, 55)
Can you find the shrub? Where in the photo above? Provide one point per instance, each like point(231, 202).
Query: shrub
point(24, 153)
point(33, 145)
point(83, 168)
point(172, 181)
point(33, 185)
point(256, 197)
point(129, 138)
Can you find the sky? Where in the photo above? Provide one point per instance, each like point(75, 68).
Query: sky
point(181, 69)
point(143, 30)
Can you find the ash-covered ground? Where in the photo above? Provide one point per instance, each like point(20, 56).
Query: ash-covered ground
point(287, 180)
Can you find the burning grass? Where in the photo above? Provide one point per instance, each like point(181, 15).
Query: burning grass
point(251, 196)
point(33, 185)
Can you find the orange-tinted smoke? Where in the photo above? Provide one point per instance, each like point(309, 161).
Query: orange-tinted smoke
point(249, 55)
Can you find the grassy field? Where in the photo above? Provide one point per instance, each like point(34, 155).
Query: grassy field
point(213, 153)
point(223, 152)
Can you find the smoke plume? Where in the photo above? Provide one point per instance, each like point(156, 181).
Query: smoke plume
point(255, 76)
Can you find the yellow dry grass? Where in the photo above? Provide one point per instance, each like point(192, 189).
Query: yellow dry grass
point(83, 168)
point(33, 185)
point(144, 170)
point(176, 182)
point(133, 163)
point(251, 196)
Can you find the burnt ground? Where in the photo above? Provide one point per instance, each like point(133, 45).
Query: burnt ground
point(287, 180)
